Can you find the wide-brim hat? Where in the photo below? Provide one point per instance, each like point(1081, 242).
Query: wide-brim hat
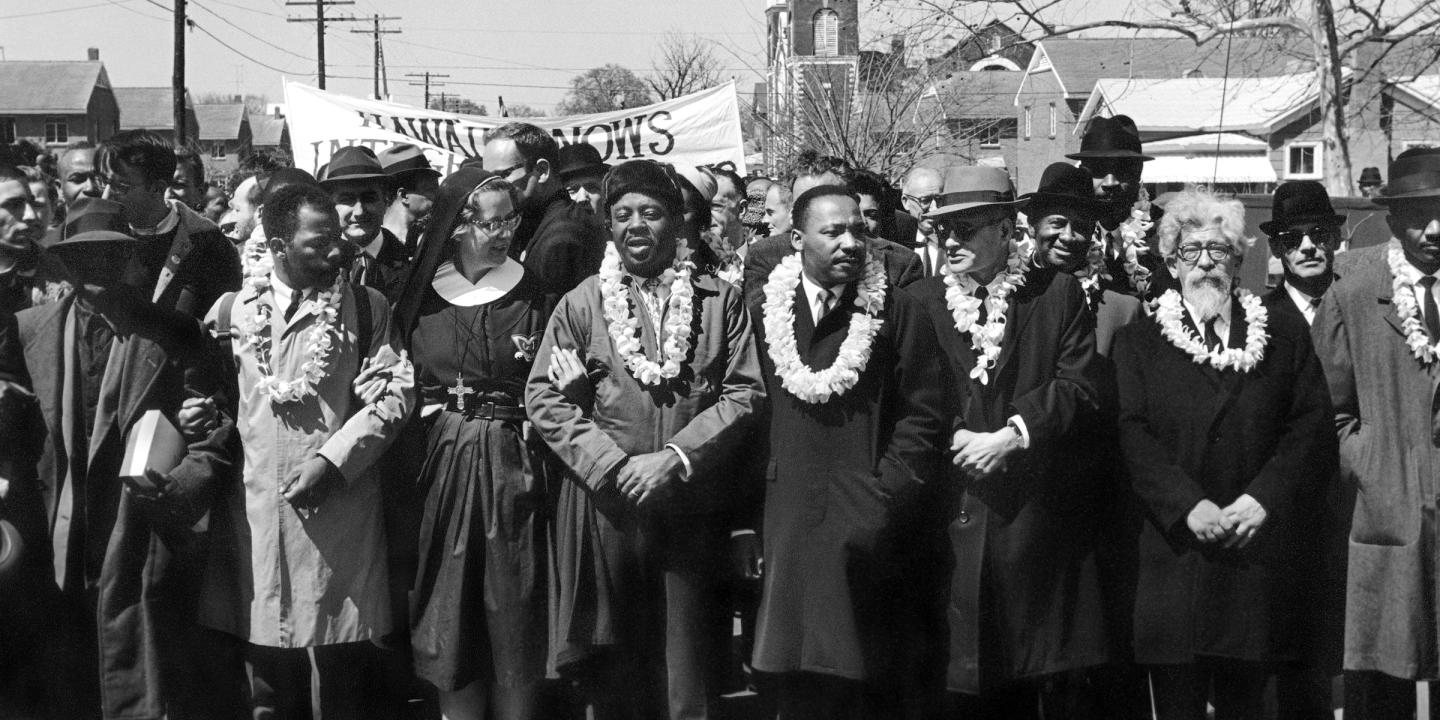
point(579, 159)
point(1112, 137)
point(404, 161)
point(1300, 201)
point(94, 220)
point(355, 162)
point(1065, 184)
point(971, 187)
point(646, 177)
point(700, 179)
point(1415, 174)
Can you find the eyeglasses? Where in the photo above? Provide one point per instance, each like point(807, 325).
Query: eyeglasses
point(1321, 235)
point(103, 181)
point(491, 227)
point(1216, 251)
point(924, 202)
point(505, 172)
point(590, 187)
point(964, 229)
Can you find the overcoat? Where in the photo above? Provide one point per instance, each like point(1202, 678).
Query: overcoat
point(846, 554)
point(1189, 433)
point(1025, 596)
point(558, 246)
point(1389, 435)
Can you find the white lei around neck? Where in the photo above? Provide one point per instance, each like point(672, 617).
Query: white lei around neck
point(1422, 346)
point(1170, 310)
point(624, 327)
point(317, 341)
point(817, 386)
point(965, 310)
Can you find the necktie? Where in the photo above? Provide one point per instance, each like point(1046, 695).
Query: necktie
point(361, 269)
point(925, 258)
point(295, 297)
point(981, 293)
point(1432, 313)
point(826, 301)
point(1212, 338)
point(650, 292)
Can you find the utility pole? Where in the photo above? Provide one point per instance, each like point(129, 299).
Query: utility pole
point(379, 51)
point(177, 77)
point(320, 21)
point(427, 83)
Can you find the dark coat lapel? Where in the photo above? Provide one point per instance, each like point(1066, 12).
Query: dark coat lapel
point(823, 346)
point(129, 377)
point(46, 362)
point(1017, 313)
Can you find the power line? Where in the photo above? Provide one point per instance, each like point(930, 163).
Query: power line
point(247, 32)
point(55, 11)
point(319, 21)
point(379, 50)
point(427, 83)
point(231, 48)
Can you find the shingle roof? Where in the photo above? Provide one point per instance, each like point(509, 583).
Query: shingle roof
point(1256, 105)
point(220, 122)
point(1079, 62)
point(979, 94)
point(147, 108)
point(266, 130)
point(49, 86)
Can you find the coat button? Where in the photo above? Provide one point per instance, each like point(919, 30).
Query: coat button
point(964, 517)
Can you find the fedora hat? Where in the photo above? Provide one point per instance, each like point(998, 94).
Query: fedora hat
point(355, 162)
point(580, 159)
point(1371, 176)
point(1300, 201)
point(1065, 184)
point(1113, 137)
point(1415, 174)
point(969, 187)
point(403, 160)
point(94, 220)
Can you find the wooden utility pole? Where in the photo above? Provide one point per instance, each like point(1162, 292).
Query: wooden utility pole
point(177, 77)
point(379, 50)
point(320, 21)
point(427, 83)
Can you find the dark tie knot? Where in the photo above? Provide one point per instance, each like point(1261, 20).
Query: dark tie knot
point(1428, 281)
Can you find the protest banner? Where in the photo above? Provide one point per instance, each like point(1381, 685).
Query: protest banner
point(701, 128)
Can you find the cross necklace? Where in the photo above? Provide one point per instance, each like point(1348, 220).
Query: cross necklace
point(460, 390)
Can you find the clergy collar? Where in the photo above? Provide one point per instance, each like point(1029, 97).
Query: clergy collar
point(455, 289)
point(166, 224)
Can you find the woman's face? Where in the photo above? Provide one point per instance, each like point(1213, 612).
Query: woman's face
point(487, 237)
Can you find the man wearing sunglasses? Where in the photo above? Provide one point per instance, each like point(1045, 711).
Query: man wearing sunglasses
point(553, 242)
point(1304, 234)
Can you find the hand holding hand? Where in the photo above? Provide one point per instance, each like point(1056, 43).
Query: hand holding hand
point(1208, 522)
point(567, 373)
point(308, 486)
point(983, 455)
point(197, 416)
point(646, 475)
point(1248, 516)
point(369, 386)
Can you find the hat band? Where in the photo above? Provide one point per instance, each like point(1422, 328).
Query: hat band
point(336, 172)
point(974, 196)
point(1414, 182)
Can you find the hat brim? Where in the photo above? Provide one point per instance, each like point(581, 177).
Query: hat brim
point(327, 182)
point(408, 173)
point(1085, 203)
point(962, 207)
point(93, 236)
point(1275, 227)
point(599, 169)
point(1130, 154)
point(1413, 194)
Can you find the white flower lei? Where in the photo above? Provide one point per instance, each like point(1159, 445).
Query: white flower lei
point(1420, 343)
point(816, 386)
point(620, 318)
point(731, 268)
point(965, 309)
point(1168, 313)
point(317, 341)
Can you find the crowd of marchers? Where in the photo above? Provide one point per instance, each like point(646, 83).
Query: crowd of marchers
point(529, 440)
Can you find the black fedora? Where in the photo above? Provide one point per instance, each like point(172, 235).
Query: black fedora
point(1371, 176)
point(1300, 201)
point(404, 160)
point(1112, 137)
point(1415, 174)
point(355, 162)
point(94, 220)
point(1065, 184)
point(580, 159)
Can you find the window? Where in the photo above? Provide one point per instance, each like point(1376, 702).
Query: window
point(57, 130)
point(990, 135)
point(1027, 122)
point(217, 151)
point(827, 33)
point(996, 42)
point(7, 131)
point(1052, 120)
point(1302, 160)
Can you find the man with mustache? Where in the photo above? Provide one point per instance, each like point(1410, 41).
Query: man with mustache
point(1224, 425)
point(650, 450)
point(20, 232)
point(852, 606)
point(1377, 333)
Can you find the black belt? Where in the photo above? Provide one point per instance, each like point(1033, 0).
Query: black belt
point(485, 411)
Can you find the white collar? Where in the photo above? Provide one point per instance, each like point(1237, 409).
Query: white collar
point(664, 279)
point(1412, 274)
point(373, 249)
point(457, 290)
point(281, 291)
point(1303, 301)
point(813, 289)
point(166, 224)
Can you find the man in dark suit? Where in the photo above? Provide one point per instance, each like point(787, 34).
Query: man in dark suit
point(553, 242)
point(415, 185)
point(118, 556)
point(902, 265)
point(361, 191)
point(919, 189)
point(1224, 423)
point(847, 619)
point(1025, 600)
point(1305, 231)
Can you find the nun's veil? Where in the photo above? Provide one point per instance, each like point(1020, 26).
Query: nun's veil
point(434, 245)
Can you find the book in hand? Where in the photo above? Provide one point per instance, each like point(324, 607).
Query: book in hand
point(154, 443)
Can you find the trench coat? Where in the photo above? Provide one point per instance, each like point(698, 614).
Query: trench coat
point(853, 582)
point(1189, 433)
point(1389, 435)
point(1025, 595)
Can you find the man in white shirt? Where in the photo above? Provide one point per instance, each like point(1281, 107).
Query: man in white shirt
point(919, 189)
point(1305, 232)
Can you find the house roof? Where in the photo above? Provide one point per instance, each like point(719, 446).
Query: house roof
point(1424, 89)
point(148, 108)
point(28, 87)
point(978, 94)
point(266, 130)
point(220, 122)
point(1079, 62)
point(1255, 105)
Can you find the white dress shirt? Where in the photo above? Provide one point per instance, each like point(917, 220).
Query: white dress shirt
point(812, 295)
point(1412, 275)
point(1302, 301)
point(1222, 321)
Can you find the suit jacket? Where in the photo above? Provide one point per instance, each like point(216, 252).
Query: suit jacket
point(847, 565)
point(559, 246)
point(146, 578)
point(210, 268)
point(902, 229)
point(1114, 311)
point(902, 265)
point(389, 268)
point(1025, 596)
point(1385, 402)
point(1191, 433)
point(1278, 301)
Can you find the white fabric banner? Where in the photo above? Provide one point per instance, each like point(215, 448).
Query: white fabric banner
point(702, 128)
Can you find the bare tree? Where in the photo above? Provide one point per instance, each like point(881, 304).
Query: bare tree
point(602, 89)
point(1334, 30)
point(683, 65)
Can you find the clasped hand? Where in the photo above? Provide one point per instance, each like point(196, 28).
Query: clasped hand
point(1236, 525)
point(645, 476)
point(308, 486)
point(983, 455)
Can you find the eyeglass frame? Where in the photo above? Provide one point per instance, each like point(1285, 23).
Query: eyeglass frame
point(1293, 239)
point(1190, 252)
point(925, 203)
point(496, 225)
point(505, 172)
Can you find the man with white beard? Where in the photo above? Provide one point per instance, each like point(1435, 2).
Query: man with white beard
point(1224, 425)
